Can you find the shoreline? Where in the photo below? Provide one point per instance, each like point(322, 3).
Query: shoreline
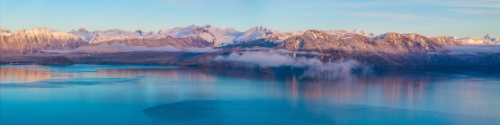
point(206, 60)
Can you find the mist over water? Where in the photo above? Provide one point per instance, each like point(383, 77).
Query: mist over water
point(315, 67)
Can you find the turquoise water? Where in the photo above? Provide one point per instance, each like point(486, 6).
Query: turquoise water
point(132, 95)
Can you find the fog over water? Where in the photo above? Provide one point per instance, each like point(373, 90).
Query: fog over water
point(283, 58)
point(92, 94)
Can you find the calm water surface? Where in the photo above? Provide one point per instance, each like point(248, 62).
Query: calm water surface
point(141, 95)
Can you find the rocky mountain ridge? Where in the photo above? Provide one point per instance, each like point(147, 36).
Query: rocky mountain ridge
point(27, 41)
point(37, 40)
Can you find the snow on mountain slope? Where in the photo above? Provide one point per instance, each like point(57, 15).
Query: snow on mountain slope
point(473, 40)
point(83, 34)
point(279, 37)
point(495, 40)
point(276, 36)
point(37, 40)
point(178, 32)
point(225, 36)
point(217, 36)
point(346, 32)
point(115, 34)
point(221, 36)
point(100, 36)
point(256, 33)
point(5, 32)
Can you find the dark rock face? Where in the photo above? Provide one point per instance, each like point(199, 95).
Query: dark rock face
point(56, 61)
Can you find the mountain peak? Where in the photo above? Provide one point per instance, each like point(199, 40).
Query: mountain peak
point(5, 32)
point(256, 33)
point(190, 26)
point(257, 28)
point(208, 26)
point(348, 32)
point(487, 36)
point(36, 30)
point(83, 29)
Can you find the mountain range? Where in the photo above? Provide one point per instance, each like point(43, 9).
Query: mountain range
point(40, 39)
point(225, 36)
point(384, 50)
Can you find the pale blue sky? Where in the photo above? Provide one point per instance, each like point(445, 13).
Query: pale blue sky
point(461, 18)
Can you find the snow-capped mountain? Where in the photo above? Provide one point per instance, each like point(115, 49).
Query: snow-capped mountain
point(474, 40)
point(347, 32)
point(217, 36)
point(37, 40)
point(83, 34)
point(492, 39)
point(256, 33)
point(210, 33)
point(116, 34)
point(226, 36)
point(5, 32)
point(276, 36)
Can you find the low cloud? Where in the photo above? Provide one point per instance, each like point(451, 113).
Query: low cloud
point(269, 59)
point(314, 66)
point(474, 49)
point(123, 48)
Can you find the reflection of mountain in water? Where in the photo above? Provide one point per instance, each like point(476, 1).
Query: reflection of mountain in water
point(468, 92)
point(283, 112)
point(22, 75)
point(394, 86)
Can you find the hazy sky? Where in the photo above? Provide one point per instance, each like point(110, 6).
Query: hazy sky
point(446, 17)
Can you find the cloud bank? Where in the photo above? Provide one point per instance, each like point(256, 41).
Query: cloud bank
point(474, 49)
point(123, 48)
point(314, 66)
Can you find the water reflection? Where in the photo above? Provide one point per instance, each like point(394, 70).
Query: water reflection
point(407, 93)
point(22, 75)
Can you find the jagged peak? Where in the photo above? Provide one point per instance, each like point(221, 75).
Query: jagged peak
point(349, 32)
point(260, 28)
point(83, 29)
point(386, 35)
point(41, 32)
point(208, 26)
point(487, 36)
point(5, 30)
point(313, 31)
point(36, 30)
point(452, 37)
point(358, 30)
